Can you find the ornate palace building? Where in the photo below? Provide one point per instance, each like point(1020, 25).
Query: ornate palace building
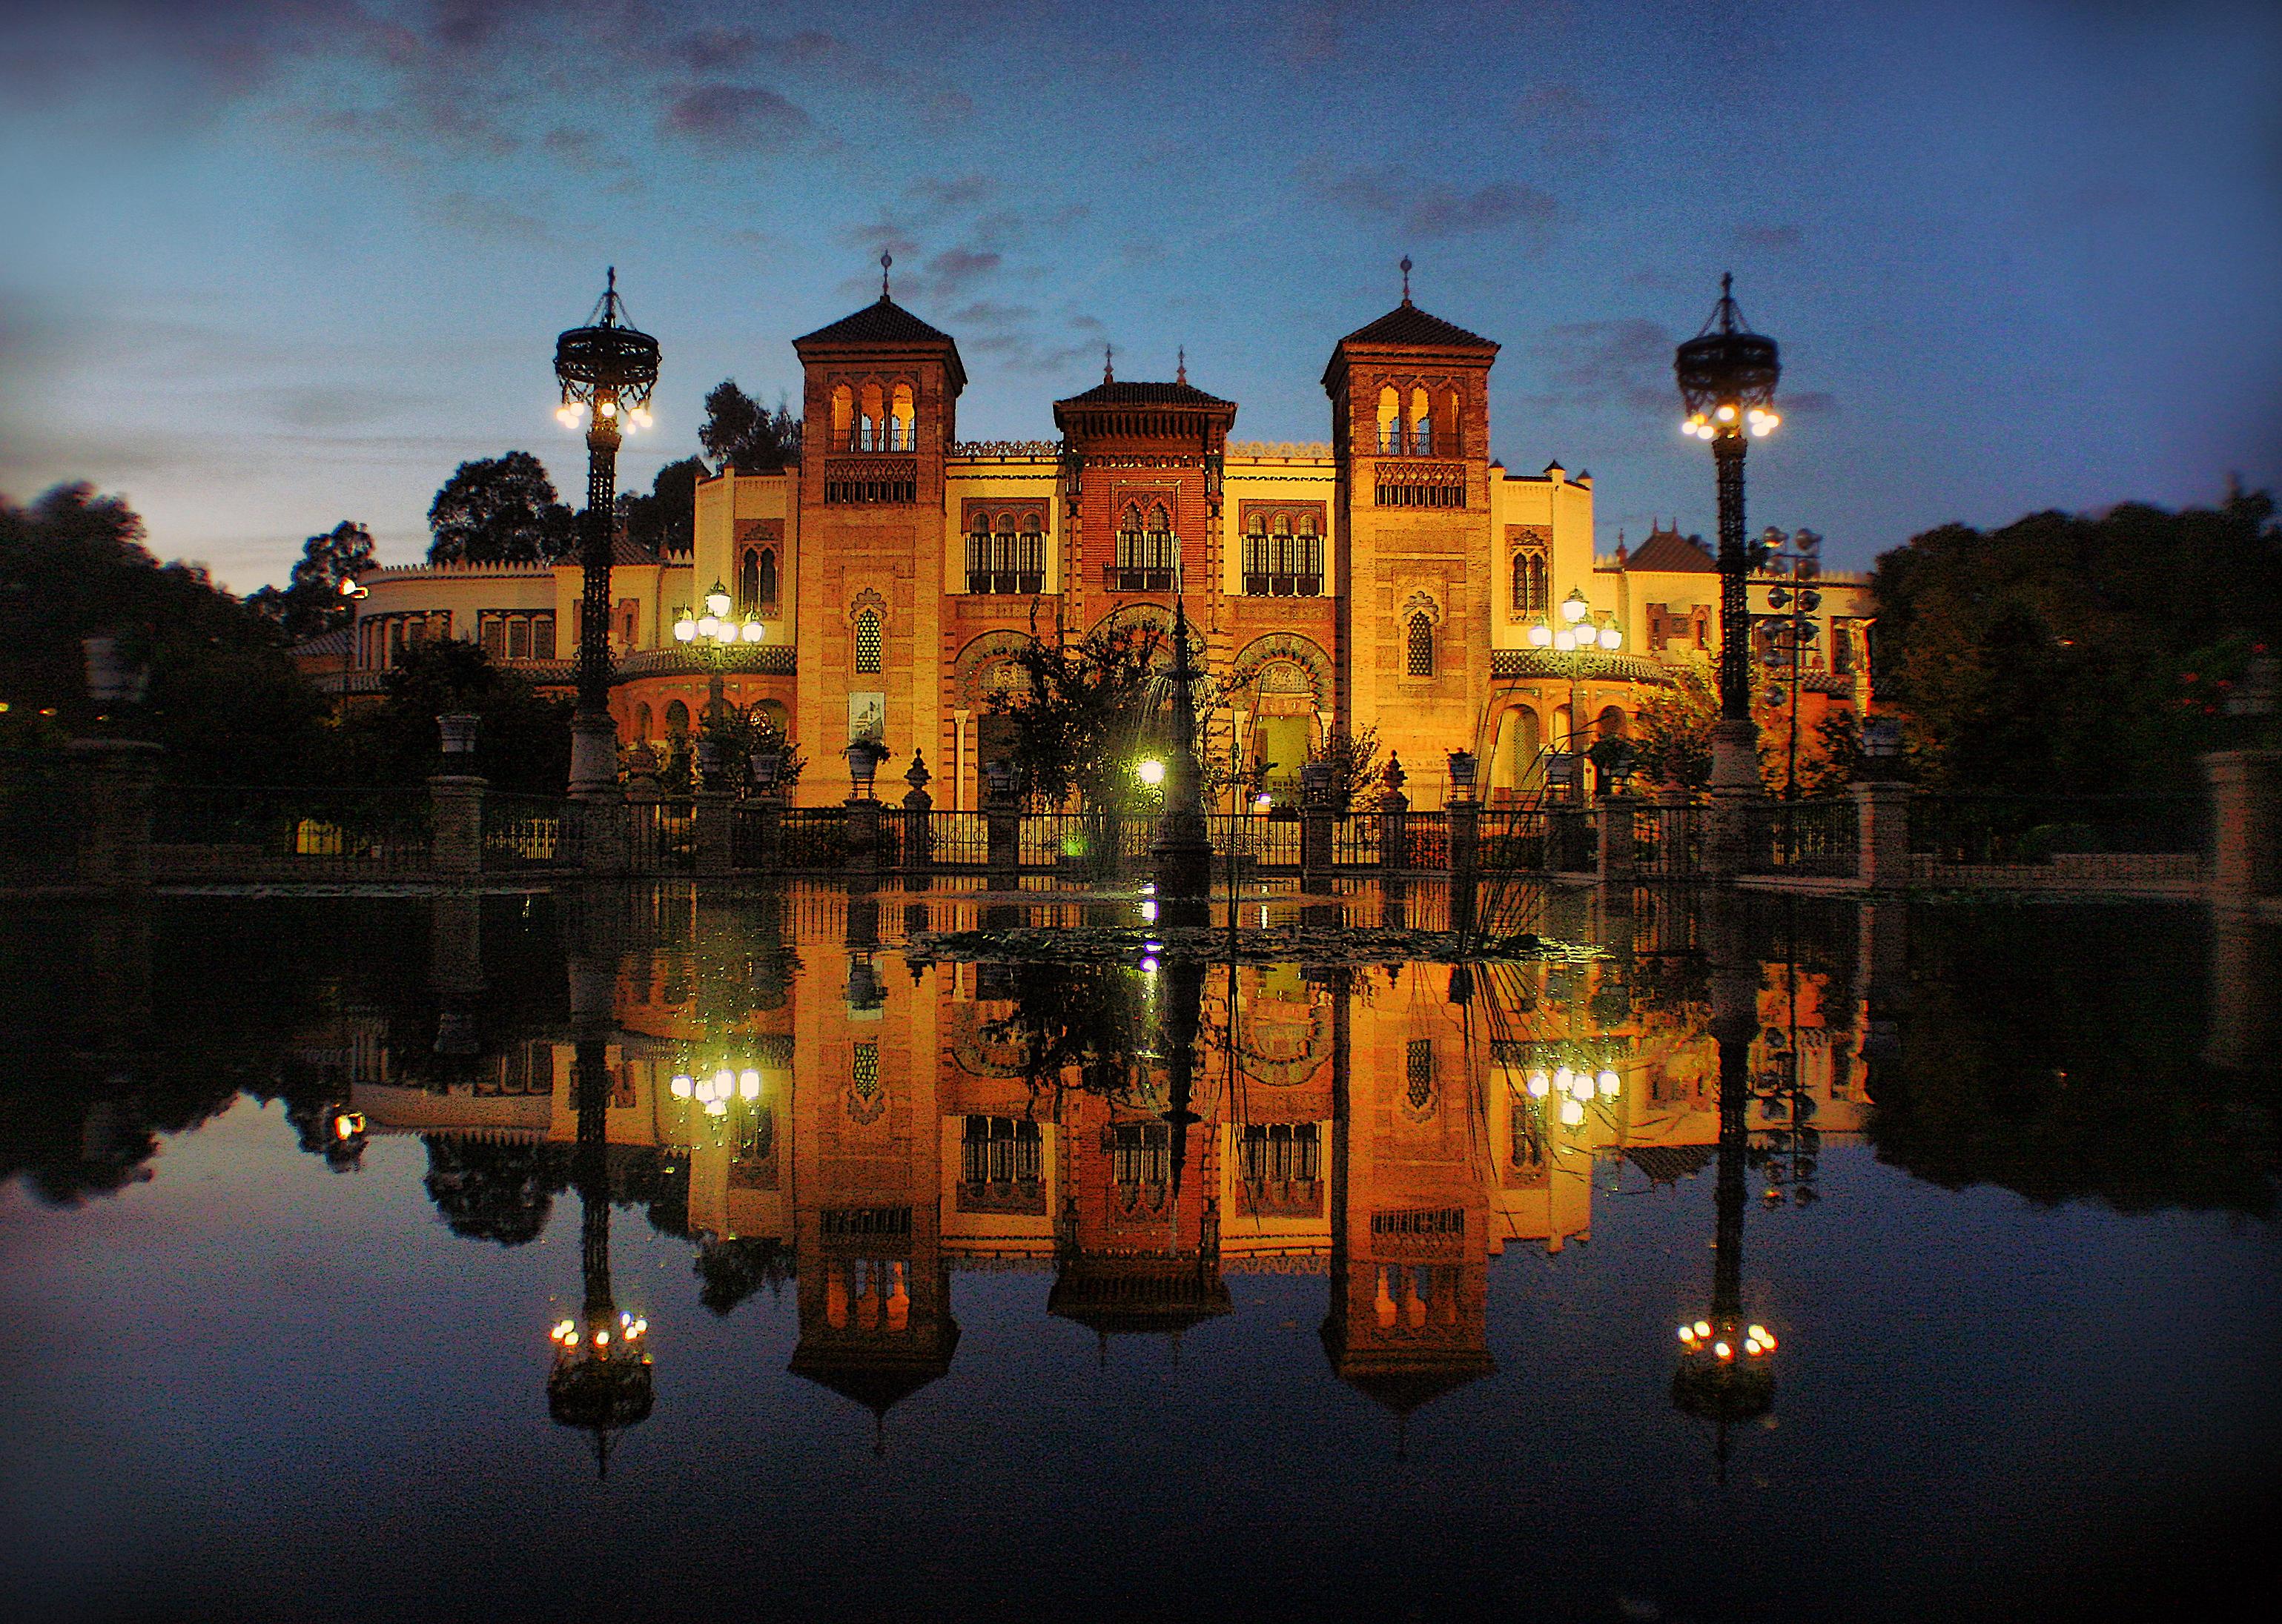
point(1396, 576)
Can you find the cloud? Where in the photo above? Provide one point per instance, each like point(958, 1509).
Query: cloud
point(327, 406)
point(721, 119)
point(1435, 209)
point(951, 271)
point(487, 218)
point(1568, 123)
point(1592, 363)
point(1771, 239)
point(955, 192)
point(709, 51)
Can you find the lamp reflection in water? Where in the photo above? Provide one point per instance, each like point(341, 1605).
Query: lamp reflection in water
point(601, 1381)
point(1725, 1372)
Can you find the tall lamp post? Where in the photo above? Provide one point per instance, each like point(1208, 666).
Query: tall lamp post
point(607, 370)
point(714, 635)
point(1581, 631)
point(1727, 375)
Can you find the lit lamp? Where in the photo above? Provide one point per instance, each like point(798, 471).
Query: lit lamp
point(1150, 772)
point(715, 637)
point(607, 370)
point(1462, 773)
point(1727, 375)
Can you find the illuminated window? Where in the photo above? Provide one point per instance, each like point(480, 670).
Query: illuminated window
point(1419, 1073)
point(867, 642)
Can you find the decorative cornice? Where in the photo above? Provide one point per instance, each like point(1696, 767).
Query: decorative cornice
point(750, 659)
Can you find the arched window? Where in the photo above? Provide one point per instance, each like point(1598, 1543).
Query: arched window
point(766, 579)
point(1257, 561)
point(1311, 558)
point(1159, 552)
point(641, 724)
point(1446, 425)
point(1031, 560)
point(871, 430)
point(843, 414)
point(1002, 548)
point(867, 642)
point(749, 577)
point(978, 553)
point(1609, 724)
point(1390, 420)
point(1529, 584)
point(677, 720)
point(902, 424)
point(1421, 646)
point(1422, 424)
point(1148, 552)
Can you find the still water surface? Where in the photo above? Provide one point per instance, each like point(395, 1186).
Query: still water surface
point(1114, 1281)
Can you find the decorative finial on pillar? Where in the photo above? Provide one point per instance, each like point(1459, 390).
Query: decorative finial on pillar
point(1182, 375)
point(1406, 279)
point(886, 259)
point(1108, 372)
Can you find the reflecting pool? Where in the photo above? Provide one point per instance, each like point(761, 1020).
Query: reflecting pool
point(866, 1253)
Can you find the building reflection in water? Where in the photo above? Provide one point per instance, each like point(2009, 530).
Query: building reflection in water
point(811, 1105)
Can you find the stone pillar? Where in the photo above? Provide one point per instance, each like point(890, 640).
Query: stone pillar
point(1393, 831)
point(717, 825)
point(455, 817)
point(919, 815)
point(1314, 839)
point(1735, 791)
point(117, 788)
point(594, 756)
point(1617, 855)
point(2245, 828)
point(1465, 822)
point(863, 834)
point(1881, 812)
point(1002, 827)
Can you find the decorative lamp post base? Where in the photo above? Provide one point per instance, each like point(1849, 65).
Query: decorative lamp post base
point(594, 756)
point(1735, 788)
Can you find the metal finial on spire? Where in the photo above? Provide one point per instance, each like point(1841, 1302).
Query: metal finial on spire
point(1406, 279)
point(1108, 372)
point(886, 259)
point(1182, 375)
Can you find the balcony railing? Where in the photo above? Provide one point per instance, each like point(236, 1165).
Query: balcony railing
point(1395, 440)
point(1284, 585)
point(1147, 579)
point(1025, 583)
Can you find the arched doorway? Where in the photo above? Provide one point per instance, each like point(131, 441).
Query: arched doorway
point(1513, 758)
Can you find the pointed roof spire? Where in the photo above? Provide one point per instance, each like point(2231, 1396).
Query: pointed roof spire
point(1108, 372)
point(886, 259)
point(1406, 279)
point(1181, 373)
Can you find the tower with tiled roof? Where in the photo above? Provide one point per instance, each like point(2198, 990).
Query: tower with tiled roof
point(1410, 430)
point(879, 400)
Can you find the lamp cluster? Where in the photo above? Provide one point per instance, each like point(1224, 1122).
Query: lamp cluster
point(714, 1091)
point(1761, 421)
point(1758, 1342)
point(1575, 1085)
point(566, 1335)
point(715, 627)
point(1580, 630)
point(572, 414)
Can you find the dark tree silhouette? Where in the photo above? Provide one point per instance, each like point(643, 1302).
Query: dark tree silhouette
point(311, 602)
point(738, 432)
point(665, 520)
point(500, 510)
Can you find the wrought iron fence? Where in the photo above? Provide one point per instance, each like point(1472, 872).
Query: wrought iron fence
point(289, 833)
point(814, 837)
point(39, 817)
point(2060, 838)
point(1667, 841)
point(662, 835)
point(1358, 839)
point(1426, 840)
point(525, 831)
point(1819, 836)
point(1258, 840)
point(1511, 840)
point(962, 839)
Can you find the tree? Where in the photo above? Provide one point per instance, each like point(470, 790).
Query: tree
point(740, 433)
point(2077, 653)
point(665, 520)
point(522, 741)
point(311, 603)
point(1673, 738)
point(500, 510)
point(1357, 774)
point(223, 698)
point(1086, 714)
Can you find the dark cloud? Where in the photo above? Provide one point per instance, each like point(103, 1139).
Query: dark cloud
point(487, 218)
point(950, 192)
point(729, 118)
point(882, 236)
point(709, 51)
point(1436, 209)
point(985, 313)
point(1593, 363)
point(1567, 122)
point(1770, 239)
point(953, 269)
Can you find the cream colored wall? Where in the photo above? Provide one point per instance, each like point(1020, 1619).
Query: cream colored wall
point(1274, 479)
point(1566, 507)
point(722, 502)
point(987, 479)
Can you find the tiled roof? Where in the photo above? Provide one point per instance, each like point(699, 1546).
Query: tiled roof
point(882, 321)
point(1407, 326)
point(1146, 394)
point(1671, 553)
point(325, 644)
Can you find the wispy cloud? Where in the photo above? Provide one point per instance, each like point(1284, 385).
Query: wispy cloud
point(724, 119)
point(1435, 209)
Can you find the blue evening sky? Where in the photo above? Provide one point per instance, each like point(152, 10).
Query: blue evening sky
point(274, 263)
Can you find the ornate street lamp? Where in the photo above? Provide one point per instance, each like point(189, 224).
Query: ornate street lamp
point(607, 370)
point(715, 635)
point(1727, 375)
